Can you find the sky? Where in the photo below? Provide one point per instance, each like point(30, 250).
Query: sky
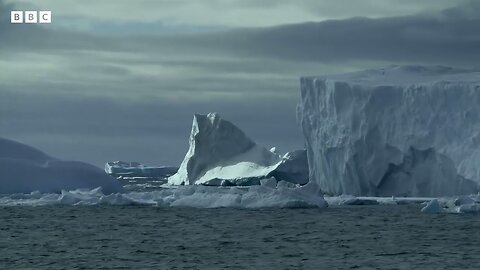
point(120, 80)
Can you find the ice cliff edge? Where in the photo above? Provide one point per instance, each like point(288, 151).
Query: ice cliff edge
point(401, 130)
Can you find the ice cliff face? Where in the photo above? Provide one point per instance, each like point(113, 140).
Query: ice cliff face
point(220, 153)
point(293, 168)
point(24, 169)
point(406, 130)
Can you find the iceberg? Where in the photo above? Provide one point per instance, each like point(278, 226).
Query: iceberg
point(454, 205)
point(395, 131)
point(135, 169)
point(24, 169)
point(221, 154)
point(433, 207)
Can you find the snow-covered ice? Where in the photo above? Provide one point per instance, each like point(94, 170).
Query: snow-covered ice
point(24, 169)
point(221, 154)
point(182, 196)
point(457, 205)
point(401, 130)
point(343, 200)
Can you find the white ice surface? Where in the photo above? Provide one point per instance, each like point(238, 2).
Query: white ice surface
point(353, 200)
point(24, 169)
point(404, 75)
point(403, 131)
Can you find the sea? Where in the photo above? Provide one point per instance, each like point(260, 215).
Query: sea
point(103, 236)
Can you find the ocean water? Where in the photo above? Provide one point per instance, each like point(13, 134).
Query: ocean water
point(151, 237)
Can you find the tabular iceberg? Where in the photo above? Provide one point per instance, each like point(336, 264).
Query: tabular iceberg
point(401, 130)
point(221, 154)
point(135, 169)
point(24, 169)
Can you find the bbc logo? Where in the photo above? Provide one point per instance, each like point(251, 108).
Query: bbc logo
point(31, 16)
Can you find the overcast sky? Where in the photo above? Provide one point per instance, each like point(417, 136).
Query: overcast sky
point(121, 79)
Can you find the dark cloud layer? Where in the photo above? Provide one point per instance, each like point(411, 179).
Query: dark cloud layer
point(449, 37)
point(81, 95)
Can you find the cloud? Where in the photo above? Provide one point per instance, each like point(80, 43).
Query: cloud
point(448, 37)
point(74, 93)
point(222, 13)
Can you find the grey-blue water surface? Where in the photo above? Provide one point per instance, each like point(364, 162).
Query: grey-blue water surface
point(145, 237)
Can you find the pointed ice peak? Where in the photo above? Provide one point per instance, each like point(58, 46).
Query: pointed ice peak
point(213, 118)
point(220, 137)
point(220, 151)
